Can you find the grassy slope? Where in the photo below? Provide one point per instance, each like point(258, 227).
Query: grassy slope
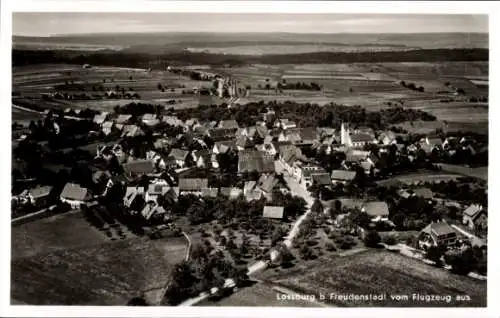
point(65, 262)
point(380, 272)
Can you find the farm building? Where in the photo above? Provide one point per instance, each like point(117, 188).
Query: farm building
point(131, 194)
point(251, 191)
point(36, 196)
point(180, 156)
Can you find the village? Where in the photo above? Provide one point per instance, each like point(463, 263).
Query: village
point(239, 184)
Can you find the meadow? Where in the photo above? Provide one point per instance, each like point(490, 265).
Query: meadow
point(379, 272)
point(62, 260)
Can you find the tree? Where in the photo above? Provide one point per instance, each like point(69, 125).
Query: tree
point(434, 254)
point(317, 207)
point(372, 239)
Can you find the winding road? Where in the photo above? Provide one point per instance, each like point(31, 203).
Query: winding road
point(297, 190)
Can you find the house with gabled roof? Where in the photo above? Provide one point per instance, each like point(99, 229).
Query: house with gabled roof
point(155, 190)
point(74, 195)
point(131, 193)
point(180, 156)
point(107, 127)
point(437, 233)
point(100, 118)
point(251, 191)
point(138, 167)
point(209, 192)
point(123, 119)
point(152, 209)
point(231, 192)
point(321, 179)
point(192, 185)
point(475, 216)
point(37, 195)
point(229, 124)
point(150, 119)
point(132, 131)
point(284, 124)
point(342, 176)
point(253, 160)
point(377, 210)
point(223, 146)
point(273, 212)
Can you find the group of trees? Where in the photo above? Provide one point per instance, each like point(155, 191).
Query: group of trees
point(299, 86)
point(248, 214)
point(162, 59)
point(412, 86)
point(204, 270)
point(462, 262)
point(308, 115)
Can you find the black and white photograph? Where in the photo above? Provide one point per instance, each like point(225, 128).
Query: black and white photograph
point(248, 159)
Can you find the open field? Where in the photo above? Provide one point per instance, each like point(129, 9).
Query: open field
point(421, 177)
point(478, 172)
point(62, 260)
point(371, 85)
point(379, 272)
point(426, 127)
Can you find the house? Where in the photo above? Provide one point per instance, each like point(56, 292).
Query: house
point(100, 118)
point(152, 209)
point(267, 148)
point(209, 192)
point(306, 172)
point(131, 131)
point(156, 190)
point(251, 191)
point(475, 216)
point(377, 210)
point(36, 196)
point(253, 160)
point(123, 119)
point(425, 193)
point(131, 194)
point(203, 158)
point(437, 233)
point(221, 134)
point(149, 119)
point(273, 212)
point(342, 176)
point(387, 138)
point(223, 146)
point(266, 184)
point(357, 139)
point(180, 156)
point(192, 185)
point(229, 124)
point(107, 127)
point(163, 143)
point(434, 142)
point(74, 195)
point(173, 121)
point(308, 136)
point(231, 193)
point(138, 168)
point(321, 179)
point(243, 143)
point(284, 124)
point(288, 155)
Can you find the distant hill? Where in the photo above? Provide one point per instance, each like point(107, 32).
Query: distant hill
point(175, 41)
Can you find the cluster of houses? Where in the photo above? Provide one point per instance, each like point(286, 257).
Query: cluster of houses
point(269, 147)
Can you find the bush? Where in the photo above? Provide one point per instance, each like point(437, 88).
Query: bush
point(390, 240)
point(331, 247)
point(372, 239)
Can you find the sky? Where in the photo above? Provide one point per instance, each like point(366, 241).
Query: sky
point(47, 23)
